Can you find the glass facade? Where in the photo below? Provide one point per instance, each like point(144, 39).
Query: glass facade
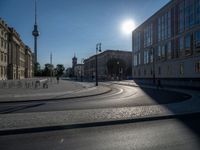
point(164, 26)
point(197, 41)
point(169, 50)
point(197, 11)
point(188, 50)
point(148, 35)
point(176, 30)
point(135, 60)
point(136, 40)
point(180, 46)
point(146, 57)
point(188, 14)
point(181, 18)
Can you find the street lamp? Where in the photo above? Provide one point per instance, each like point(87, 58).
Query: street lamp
point(98, 49)
point(118, 70)
point(82, 60)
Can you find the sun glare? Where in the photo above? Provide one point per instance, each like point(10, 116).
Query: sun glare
point(128, 26)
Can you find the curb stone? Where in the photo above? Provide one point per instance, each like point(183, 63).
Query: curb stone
point(96, 124)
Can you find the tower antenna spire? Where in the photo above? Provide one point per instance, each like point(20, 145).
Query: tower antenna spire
point(35, 34)
point(35, 12)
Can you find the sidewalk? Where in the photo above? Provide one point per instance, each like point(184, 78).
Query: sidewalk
point(64, 90)
point(41, 121)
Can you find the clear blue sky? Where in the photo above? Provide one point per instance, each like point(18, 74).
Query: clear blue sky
point(75, 26)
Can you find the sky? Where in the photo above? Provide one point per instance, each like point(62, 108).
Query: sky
point(69, 27)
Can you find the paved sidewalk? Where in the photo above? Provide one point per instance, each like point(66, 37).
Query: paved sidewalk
point(72, 118)
point(65, 89)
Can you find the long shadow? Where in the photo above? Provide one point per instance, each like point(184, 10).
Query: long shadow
point(18, 108)
point(159, 94)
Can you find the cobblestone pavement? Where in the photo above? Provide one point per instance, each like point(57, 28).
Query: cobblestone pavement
point(65, 89)
point(42, 119)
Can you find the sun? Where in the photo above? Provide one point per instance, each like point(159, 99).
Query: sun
point(128, 26)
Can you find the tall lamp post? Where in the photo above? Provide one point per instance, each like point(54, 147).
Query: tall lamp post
point(98, 49)
point(51, 67)
point(118, 70)
point(82, 67)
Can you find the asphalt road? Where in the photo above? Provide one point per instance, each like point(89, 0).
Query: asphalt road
point(120, 96)
point(171, 134)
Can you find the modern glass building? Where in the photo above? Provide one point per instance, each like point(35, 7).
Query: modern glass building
point(167, 45)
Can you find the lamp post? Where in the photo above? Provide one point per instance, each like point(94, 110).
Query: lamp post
point(82, 60)
point(118, 70)
point(98, 49)
point(51, 67)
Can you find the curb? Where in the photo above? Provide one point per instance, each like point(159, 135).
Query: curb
point(96, 124)
point(53, 99)
point(189, 96)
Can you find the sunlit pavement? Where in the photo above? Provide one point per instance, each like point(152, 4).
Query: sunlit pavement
point(65, 89)
point(170, 134)
point(93, 109)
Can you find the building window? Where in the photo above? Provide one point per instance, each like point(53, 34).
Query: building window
point(151, 55)
point(163, 51)
point(181, 69)
point(159, 71)
point(169, 50)
point(2, 42)
point(5, 58)
point(188, 44)
point(180, 46)
point(159, 52)
point(197, 67)
point(135, 60)
point(197, 41)
point(136, 40)
point(197, 11)
point(139, 60)
point(1, 71)
point(148, 35)
point(146, 57)
point(164, 26)
point(181, 20)
point(2, 57)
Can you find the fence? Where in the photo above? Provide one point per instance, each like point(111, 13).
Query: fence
point(26, 83)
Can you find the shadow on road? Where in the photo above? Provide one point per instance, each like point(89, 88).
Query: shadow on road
point(20, 107)
point(158, 94)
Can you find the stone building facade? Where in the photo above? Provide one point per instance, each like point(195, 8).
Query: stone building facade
point(4, 31)
point(15, 56)
point(103, 58)
point(79, 71)
point(28, 63)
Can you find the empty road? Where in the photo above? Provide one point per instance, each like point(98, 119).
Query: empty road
point(120, 96)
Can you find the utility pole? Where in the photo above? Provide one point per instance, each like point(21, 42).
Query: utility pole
point(98, 49)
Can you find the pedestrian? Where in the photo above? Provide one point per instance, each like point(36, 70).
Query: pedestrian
point(57, 79)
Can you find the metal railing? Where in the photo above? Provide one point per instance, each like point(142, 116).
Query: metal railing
point(32, 83)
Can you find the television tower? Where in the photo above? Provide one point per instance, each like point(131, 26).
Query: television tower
point(35, 33)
